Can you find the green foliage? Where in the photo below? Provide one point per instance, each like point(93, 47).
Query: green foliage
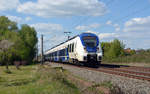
point(36, 80)
point(140, 56)
point(24, 41)
point(28, 35)
point(113, 49)
point(6, 24)
point(132, 52)
point(114, 52)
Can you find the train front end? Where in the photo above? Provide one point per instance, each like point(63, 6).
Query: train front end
point(92, 48)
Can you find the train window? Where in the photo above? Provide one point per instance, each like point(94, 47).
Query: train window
point(63, 52)
point(73, 47)
point(55, 53)
point(66, 51)
point(90, 41)
point(70, 48)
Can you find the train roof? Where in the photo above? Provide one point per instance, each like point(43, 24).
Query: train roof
point(80, 35)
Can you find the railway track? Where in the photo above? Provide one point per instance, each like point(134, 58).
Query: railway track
point(126, 73)
point(134, 72)
point(144, 69)
point(129, 71)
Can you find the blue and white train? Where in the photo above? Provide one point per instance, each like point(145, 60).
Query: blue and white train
point(81, 49)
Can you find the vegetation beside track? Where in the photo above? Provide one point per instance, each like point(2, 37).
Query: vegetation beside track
point(141, 57)
point(16, 43)
point(36, 79)
point(115, 52)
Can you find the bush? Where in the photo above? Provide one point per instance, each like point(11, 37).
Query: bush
point(114, 52)
point(22, 42)
point(113, 49)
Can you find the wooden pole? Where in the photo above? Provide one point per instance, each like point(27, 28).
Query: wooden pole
point(42, 49)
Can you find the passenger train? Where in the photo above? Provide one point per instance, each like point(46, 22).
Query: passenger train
point(84, 49)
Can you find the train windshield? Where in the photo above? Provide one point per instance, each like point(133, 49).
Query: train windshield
point(90, 41)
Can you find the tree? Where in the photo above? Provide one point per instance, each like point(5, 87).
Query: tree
point(24, 41)
point(5, 47)
point(6, 24)
point(113, 49)
point(28, 35)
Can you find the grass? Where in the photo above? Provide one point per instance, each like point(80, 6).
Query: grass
point(35, 80)
point(106, 84)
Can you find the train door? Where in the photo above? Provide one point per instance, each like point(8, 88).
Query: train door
point(67, 53)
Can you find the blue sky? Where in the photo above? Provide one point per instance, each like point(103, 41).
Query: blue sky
point(127, 20)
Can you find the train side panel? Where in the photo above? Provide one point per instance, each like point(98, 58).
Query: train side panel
point(79, 50)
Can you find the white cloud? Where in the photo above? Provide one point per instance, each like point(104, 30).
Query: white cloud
point(109, 22)
point(47, 27)
point(15, 18)
point(55, 8)
point(53, 33)
point(95, 25)
point(107, 35)
point(137, 24)
point(28, 19)
point(136, 33)
point(8, 4)
point(88, 27)
point(18, 19)
point(117, 29)
point(116, 26)
point(92, 32)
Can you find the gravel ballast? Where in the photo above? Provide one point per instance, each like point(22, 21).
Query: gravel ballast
point(126, 85)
